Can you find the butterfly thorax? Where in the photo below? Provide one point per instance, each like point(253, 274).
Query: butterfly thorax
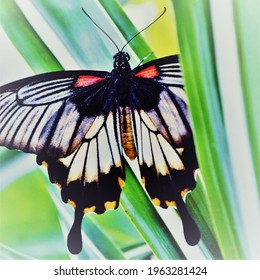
point(120, 76)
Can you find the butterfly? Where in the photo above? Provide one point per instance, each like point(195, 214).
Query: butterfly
point(84, 124)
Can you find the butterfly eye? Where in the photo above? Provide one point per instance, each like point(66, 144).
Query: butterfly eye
point(127, 56)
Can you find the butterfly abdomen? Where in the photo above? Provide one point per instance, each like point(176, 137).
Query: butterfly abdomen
point(126, 130)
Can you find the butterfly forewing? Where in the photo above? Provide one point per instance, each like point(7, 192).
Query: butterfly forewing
point(169, 111)
point(43, 114)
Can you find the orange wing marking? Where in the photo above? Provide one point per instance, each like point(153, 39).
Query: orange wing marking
point(149, 72)
point(84, 81)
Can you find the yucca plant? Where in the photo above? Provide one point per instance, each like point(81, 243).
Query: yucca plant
point(50, 36)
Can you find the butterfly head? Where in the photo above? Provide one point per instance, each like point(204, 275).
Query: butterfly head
point(121, 61)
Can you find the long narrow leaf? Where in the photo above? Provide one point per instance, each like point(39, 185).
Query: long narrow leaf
point(121, 20)
point(246, 14)
point(197, 55)
point(236, 123)
point(20, 33)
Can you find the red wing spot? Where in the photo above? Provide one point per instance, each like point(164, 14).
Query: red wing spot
point(149, 72)
point(84, 81)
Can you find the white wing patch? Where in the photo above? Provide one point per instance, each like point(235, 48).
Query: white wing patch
point(92, 167)
point(55, 129)
point(153, 149)
point(171, 119)
point(45, 92)
point(97, 155)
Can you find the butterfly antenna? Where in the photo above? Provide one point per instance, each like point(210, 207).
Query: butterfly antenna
point(100, 29)
point(164, 10)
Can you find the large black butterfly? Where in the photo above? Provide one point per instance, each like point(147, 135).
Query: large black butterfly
point(83, 124)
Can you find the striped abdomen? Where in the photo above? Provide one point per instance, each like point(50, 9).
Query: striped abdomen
point(126, 130)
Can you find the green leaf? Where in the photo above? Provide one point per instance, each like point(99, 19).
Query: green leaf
point(197, 57)
point(20, 33)
point(29, 222)
point(208, 54)
point(121, 20)
point(246, 15)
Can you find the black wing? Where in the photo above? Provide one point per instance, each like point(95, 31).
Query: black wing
point(163, 134)
point(67, 119)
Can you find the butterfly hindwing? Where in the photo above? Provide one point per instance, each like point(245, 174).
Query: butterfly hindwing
point(92, 176)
